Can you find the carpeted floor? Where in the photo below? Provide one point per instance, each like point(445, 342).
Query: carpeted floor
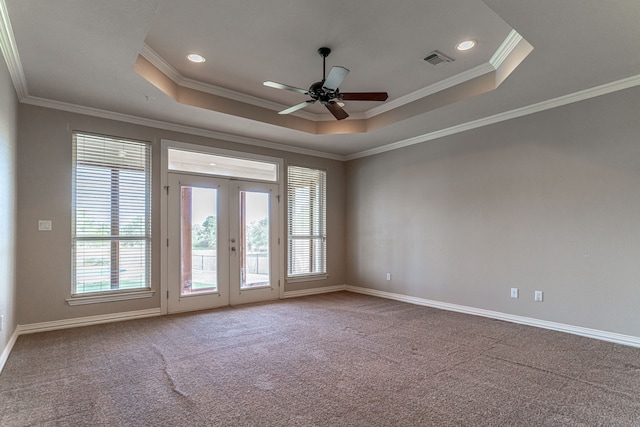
point(338, 359)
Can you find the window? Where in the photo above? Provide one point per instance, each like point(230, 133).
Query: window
point(111, 214)
point(306, 223)
point(222, 165)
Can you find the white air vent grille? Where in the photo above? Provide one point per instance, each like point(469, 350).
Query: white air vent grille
point(436, 58)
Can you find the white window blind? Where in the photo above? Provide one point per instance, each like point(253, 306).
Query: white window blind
point(111, 214)
point(306, 209)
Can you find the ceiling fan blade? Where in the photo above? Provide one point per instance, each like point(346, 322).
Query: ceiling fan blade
point(364, 96)
point(335, 78)
point(297, 107)
point(336, 110)
point(276, 85)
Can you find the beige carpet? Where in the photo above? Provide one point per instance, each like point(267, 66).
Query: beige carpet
point(339, 359)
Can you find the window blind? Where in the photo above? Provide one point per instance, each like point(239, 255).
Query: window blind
point(111, 214)
point(306, 218)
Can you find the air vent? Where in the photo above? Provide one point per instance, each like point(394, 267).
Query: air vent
point(436, 58)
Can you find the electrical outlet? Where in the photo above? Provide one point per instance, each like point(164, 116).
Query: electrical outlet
point(1, 321)
point(388, 276)
point(514, 292)
point(537, 296)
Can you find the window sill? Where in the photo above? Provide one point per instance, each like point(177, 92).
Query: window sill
point(110, 297)
point(307, 278)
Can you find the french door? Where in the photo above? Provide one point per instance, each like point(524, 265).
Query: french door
point(223, 242)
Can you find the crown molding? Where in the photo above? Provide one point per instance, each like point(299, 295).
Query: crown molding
point(190, 130)
point(507, 46)
point(167, 69)
point(485, 121)
point(10, 52)
point(505, 49)
point(472, 73)
point(507, 115)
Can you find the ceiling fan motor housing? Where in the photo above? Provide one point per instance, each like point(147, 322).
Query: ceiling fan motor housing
point(319, 93)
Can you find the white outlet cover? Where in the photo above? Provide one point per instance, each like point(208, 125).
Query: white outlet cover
point(514, 292)
point(537, 296)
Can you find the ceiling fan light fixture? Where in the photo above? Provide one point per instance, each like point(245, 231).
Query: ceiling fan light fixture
point(194, 57)
point(466, 45)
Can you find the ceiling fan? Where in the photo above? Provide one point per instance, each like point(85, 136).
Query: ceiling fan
point(326, 91)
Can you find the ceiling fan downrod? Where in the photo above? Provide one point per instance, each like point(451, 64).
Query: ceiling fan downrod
point(324, 52)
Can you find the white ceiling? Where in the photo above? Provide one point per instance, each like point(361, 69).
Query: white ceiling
point(81, 55)
point(278, 40)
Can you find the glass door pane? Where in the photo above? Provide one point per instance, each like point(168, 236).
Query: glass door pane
point(254, 242)
point(253, 261)
point(222, 242)
point(197, 243)
point(198, 240)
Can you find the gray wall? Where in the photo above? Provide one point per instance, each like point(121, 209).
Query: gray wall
point(549, 202)
point(44, 187)
point(8, 144)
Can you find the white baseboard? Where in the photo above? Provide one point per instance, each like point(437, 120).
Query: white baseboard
point(140, 314)
point(7, 350)
point(314, 291)
point(576, 330)
point(86, 321)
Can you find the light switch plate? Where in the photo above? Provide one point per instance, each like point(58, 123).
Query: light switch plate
point(44, 225)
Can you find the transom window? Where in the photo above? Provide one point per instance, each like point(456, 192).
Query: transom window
point(220, 165)
point(111, 214)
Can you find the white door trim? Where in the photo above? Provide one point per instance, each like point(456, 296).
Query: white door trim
point(165, 144)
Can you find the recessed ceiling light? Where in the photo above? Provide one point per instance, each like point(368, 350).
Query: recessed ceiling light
point(194, 57)
point(466, 45)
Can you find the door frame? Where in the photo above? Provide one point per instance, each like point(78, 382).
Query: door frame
point(165, 145)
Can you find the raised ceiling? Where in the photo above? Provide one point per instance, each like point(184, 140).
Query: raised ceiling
point(85, 56)
point(246, 42)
